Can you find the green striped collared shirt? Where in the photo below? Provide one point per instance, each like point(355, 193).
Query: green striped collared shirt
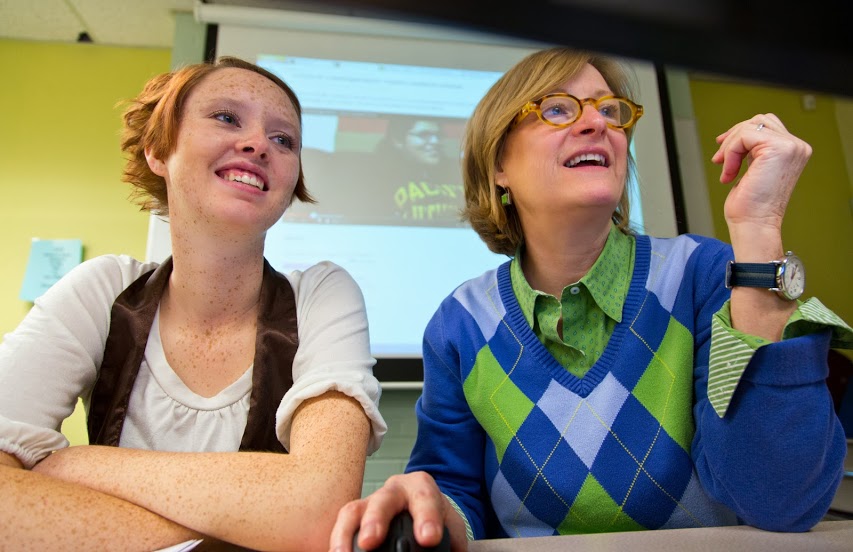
point(588, 309)
point(594, 306)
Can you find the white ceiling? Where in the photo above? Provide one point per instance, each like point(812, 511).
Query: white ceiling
point(145, 23)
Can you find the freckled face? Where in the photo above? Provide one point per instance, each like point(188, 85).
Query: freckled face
point(236, 162)
point(539, 166)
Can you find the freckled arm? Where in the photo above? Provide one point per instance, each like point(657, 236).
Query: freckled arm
point(257, 500)
point(36, 516)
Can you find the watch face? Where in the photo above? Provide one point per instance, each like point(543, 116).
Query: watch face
point(793, 277)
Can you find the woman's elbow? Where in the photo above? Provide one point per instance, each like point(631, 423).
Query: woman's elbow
point(306, 523)
point(796, 518)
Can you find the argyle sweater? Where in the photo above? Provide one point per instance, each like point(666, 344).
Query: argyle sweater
point(524, 448)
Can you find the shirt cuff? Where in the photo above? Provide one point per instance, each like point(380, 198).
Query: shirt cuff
point(812, 317)
point(30, 444)
point(469, 533)
point(731, 350)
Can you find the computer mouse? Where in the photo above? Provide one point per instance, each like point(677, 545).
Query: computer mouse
point(401, 538)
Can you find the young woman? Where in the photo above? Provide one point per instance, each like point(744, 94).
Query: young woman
point(200, 372)
point(602, 380)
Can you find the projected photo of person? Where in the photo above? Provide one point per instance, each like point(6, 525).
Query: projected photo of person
point(423, 176)
point(384, 170)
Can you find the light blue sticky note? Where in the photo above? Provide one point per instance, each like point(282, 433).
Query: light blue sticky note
point(49, 261)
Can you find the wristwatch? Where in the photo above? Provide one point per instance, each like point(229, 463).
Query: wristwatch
point(787, 276)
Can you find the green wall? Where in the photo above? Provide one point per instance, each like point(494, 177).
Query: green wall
point(60, 157)
point(819, 224)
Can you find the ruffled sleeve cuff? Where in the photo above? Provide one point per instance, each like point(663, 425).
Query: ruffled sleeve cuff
point(361, 386)
point(28, 443)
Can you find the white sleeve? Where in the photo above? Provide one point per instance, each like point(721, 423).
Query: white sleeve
point(53, 356)
point(334, 347)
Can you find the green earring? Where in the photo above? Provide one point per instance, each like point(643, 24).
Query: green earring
point(506, 198)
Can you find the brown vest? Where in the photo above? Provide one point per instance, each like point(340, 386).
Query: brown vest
point(131, 319)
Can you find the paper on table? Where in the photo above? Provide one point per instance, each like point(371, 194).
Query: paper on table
point(49, 261)
point(182, 547)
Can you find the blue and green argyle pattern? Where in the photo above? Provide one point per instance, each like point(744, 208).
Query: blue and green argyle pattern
point(610, 451)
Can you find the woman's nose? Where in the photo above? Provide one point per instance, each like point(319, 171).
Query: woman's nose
point(254, 142)
point(590, 121)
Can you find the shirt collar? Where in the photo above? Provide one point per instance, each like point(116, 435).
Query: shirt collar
point(607, 281)
point(610, 277)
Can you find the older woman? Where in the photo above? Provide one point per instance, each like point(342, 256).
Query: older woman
point(184, 364)
point(602, 380)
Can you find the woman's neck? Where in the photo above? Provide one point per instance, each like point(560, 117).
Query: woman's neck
point(214, 282)
point(553, 260)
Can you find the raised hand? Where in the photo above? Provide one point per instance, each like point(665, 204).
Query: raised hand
point(775, 159)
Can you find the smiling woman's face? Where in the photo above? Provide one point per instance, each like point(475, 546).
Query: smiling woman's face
point(558, 171)
point(236, 160)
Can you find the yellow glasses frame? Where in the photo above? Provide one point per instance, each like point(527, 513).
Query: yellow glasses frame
point(535, 106)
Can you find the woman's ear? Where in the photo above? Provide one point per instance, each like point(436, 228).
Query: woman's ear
point(501, 178)
point(156, 165)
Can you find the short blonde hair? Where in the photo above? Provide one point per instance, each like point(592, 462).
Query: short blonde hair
point(152, 120)
point(486, 131)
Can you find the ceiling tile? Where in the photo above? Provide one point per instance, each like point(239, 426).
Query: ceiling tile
point(148, 23)
point(43, 20)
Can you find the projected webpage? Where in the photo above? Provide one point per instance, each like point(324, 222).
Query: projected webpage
point(381, 146)
point(381, 142)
